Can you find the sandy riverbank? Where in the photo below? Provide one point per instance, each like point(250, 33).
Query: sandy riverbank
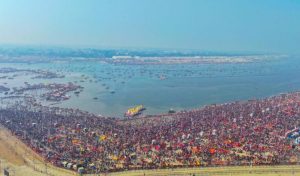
point(22, 161)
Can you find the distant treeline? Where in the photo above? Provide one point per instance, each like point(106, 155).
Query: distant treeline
point(107, 53)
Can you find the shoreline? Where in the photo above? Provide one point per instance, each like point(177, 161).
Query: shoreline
point(149, 123)
point(103, 88)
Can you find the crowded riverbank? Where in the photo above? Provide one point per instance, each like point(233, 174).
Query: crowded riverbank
point(19, 159)
point(252, 132)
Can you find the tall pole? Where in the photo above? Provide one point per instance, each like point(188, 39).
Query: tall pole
point(46, 167)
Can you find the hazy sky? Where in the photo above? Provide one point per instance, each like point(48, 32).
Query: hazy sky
point(215, 25)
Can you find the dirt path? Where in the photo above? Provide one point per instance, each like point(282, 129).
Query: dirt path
point(22, 161)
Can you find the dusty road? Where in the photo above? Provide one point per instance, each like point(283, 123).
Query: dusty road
point(22, 161)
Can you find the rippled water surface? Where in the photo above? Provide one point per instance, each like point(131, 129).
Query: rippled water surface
point(112, 89)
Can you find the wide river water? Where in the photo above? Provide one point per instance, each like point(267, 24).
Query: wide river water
point(161, 87)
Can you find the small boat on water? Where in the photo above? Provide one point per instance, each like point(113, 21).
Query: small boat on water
point(171, 111)
point(131, 112)
point(162, 77)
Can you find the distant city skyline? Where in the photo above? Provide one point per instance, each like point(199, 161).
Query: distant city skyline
point(219, 25)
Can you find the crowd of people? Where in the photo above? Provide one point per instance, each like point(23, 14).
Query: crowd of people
point(238, 133)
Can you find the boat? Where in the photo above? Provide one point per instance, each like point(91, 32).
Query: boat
point(162, 77)
point(171, 111)
point(131, 112)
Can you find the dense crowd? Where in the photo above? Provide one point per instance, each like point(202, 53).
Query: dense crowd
point(239, 133)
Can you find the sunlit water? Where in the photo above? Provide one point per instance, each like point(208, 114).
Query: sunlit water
point(185, 86)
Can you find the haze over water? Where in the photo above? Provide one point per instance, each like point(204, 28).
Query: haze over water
point(186, 86)
point(226, 26)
